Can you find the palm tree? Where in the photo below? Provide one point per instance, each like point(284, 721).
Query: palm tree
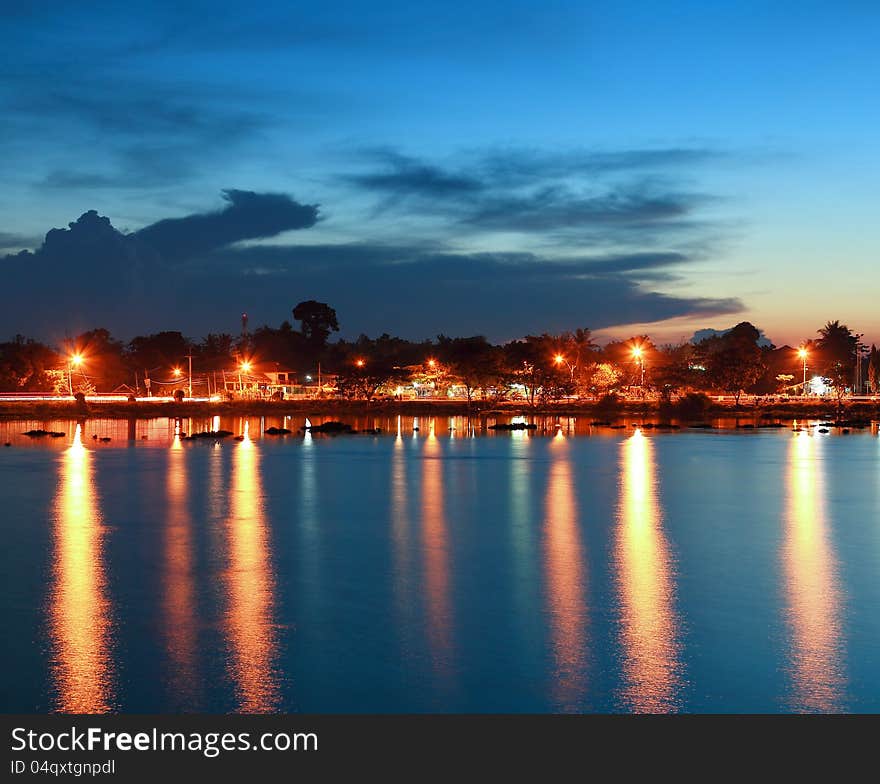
point(837, 346)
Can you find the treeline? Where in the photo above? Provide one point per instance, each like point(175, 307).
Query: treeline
point(540, 367)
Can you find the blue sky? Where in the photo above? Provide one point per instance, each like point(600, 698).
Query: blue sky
point(486, 167)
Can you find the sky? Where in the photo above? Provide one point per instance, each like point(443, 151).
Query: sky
point(495, 168)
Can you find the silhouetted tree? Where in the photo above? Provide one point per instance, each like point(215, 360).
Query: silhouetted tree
point(836, 347)
point(734, 360)
point(26, 365)
point(874, 370)
point(473, 362)
point(317, 320)
point(104, 362)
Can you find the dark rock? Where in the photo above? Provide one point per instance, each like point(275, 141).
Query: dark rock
point(215, 434)
point(514, 426)
point(331, 426)
point(277, 431)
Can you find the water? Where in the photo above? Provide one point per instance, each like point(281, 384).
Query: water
point(440, 569)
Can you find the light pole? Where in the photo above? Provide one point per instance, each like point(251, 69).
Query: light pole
point(244, 366)
point(639, 357)
point(559, 359)
point(74, 361)
point(190, 358)
point(802, 353)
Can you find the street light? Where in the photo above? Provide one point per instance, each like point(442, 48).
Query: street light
point(74, 361)
point(432, 363)
point(177, 371)
point(639, 357)
point(802, 353)
point(244, 367)
point(359, 362)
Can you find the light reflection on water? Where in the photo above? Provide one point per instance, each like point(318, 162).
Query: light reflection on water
point(80, 621)
point(436, 556)
point(566, 580)
point(594, 589)
point(813, 595)
point(649, 625)
point(179, 600)
point(250, 626)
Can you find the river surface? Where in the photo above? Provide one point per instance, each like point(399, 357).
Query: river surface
point(439, 567)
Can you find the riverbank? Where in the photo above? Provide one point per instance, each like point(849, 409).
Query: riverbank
point(685, 409)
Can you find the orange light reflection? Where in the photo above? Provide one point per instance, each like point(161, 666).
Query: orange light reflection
point(566, 582)
point(251, 586)
point(82, 668)
point(812, 586)
point(649, 623)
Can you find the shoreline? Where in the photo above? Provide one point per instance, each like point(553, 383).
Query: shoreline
point(824, 409)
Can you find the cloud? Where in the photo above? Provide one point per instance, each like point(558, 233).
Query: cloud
point(544, 194)
point(418, 293)
point(248, 216)
point(404, 176)
point(558, 208)
point(193, 273)
point(9, 241)
point(91, 274)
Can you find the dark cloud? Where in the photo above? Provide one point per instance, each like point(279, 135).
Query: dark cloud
point(558, 208)
point(519, 166)
point(419, 294)
point(533, 192)
point(189, 274)
point(90, 273)
point(248, 216)
point(403, 176)
point(14, 242)
point(133, 134)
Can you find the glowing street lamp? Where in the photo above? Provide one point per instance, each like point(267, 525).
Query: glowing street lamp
point(177, 372)
point(638, 355)
point(244, 367)
point(432, 363)
point(74, 361)
point(359, 362)
point(802, 353)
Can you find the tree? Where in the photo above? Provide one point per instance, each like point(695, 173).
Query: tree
point(369, 365)
point(874, 370)
point(472, 361)
point(160, 350)
point(317, 320)
point(576, 351)
point(734, 360)
point(215, 351)
point(104, 361)
point(836, 348)
point(26, 366)
point(605, 378)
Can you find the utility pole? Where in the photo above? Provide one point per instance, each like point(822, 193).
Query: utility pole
point(190, 358)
